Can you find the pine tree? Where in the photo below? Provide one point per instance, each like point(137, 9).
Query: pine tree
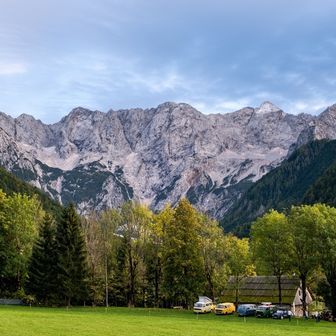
point(119, 280)
point(71, 258)
point(42, 270)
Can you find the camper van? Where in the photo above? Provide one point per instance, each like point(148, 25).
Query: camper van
point(225, 308)
point(203, 305)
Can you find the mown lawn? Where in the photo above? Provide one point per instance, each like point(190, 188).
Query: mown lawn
point(25, 321)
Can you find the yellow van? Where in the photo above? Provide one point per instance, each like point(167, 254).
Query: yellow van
point(225, 308)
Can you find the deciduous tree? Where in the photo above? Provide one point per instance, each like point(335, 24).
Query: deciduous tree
point(183, 276)
point(327, 249)
point(304, 222)
point(153, 255)
point(21, 217)
point(238, 256)
point(212, 243)
point(271, 245)
point(133, 228)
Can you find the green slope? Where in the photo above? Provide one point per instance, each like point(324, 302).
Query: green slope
point(10, 184)
point(324, 189)
point(284, 186)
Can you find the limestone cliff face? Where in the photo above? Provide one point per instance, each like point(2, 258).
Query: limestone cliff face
point(156, 155)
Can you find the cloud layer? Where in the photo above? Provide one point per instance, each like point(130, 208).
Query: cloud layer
point(216, 55)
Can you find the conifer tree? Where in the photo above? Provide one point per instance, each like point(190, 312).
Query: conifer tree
point(42, 270)
point(119, 281)
point(71, 258)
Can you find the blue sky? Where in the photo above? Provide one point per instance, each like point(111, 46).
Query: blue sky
point(217, 55)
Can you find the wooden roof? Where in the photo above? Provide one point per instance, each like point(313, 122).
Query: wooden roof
point(262, 289)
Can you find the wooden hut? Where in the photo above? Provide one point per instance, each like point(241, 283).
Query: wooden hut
point(258, 289)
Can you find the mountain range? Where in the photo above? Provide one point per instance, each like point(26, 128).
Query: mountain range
point(158, 155)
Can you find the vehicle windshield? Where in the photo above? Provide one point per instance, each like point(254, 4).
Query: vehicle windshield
point(199, 304)
point(220, 306)
point(242, 308)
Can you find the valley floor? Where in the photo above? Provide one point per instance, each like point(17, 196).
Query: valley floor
point(25, 321)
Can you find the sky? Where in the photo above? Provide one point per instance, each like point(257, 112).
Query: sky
point(217, 55)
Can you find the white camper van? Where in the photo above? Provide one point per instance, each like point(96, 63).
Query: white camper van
point(203, 305)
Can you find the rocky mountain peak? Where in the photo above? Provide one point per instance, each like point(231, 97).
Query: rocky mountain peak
point(31, 131)
point(325, 124)
point(81, 113)
point(25, 118)
point(267, 107)
point(167, 105)
point(330, 112)
point(178, 110)
point(79, 110)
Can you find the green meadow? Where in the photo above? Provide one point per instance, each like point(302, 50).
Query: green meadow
point(25, 321)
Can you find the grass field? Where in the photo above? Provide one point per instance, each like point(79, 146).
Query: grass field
point(25, 321)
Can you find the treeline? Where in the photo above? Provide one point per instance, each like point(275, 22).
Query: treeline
point(133, 257)
point(138, 258)
point(126, 257)
point(40, 260)
point(301, 242)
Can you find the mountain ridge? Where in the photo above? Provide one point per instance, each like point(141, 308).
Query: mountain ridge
point(154, 155)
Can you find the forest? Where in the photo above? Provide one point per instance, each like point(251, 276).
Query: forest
point(133, 257)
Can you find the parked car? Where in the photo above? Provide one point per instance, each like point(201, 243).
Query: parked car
point(265, 311)
point(203, 305)
point(282, 314)
point(246, 310)
point(327, 315)
point(225, 308)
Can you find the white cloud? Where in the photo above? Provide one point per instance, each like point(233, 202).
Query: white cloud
point(311, 106)
point(157, 82)
point(8, 69)
point(221, 106)
point(112, 74)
